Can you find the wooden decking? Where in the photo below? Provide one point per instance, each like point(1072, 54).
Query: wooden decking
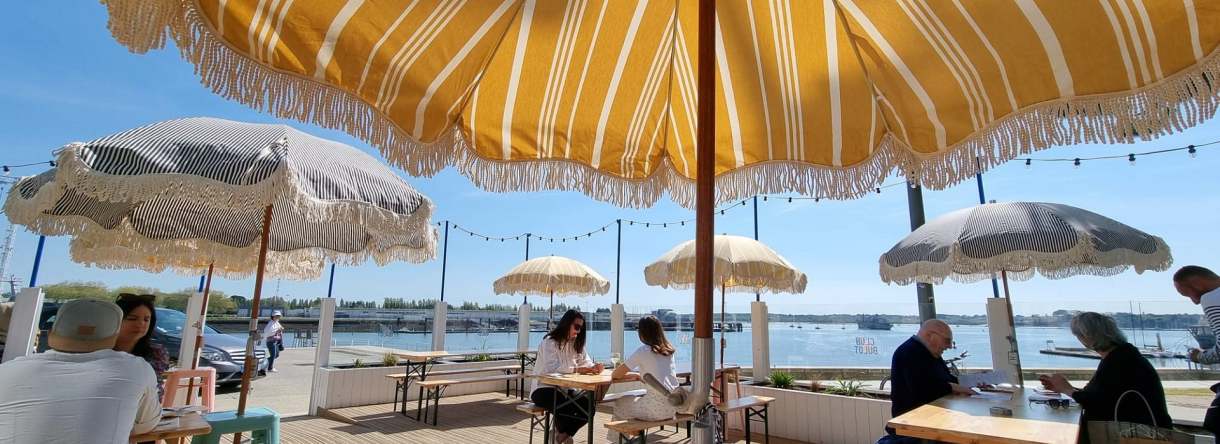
point(480, 418)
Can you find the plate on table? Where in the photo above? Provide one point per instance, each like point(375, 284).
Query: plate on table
point(170, 412)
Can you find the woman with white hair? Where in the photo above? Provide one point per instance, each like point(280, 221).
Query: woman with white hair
point(1122, 369)
point(273, 333)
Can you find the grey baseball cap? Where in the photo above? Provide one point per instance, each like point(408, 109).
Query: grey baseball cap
point(85, 325)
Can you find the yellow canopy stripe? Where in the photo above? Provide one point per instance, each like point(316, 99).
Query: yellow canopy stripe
point(816, 97)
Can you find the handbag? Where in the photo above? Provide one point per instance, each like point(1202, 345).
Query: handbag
point(1123, 432)
point(280, 345)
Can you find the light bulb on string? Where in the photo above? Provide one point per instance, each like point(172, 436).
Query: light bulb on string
point(789, 200)
point(1027, 162)
point(878, 190)
point(1077, 163)
point(1131, 158)
point(1190, 149)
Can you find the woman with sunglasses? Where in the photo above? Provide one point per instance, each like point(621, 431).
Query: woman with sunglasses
point(136, 332)
point(1122, 369)
point(656, 358)
point(563, 351)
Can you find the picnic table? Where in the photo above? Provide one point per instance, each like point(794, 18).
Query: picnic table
point(967, 419)
point(591, 384)
point(190, 424)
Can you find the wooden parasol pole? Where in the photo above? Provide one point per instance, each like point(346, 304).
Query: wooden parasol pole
point(251, 363)
point(705, 225)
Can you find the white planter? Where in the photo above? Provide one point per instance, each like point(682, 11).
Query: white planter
point(366, 386)
point(819, 417)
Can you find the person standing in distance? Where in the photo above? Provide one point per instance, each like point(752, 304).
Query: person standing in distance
point(274, 335)
point(1200, 285)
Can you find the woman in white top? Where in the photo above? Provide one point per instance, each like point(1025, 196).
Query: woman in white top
point(655, 357)
point(563, 351)
point(273, 333)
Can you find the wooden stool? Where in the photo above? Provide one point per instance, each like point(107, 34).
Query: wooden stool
point(206, 384)
point(262, 423)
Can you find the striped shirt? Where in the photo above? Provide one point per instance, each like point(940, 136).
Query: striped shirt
point(1211, 308)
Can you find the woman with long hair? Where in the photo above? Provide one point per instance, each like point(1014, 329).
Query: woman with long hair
point(656, 358)
point(563, 351)
point(136, 332)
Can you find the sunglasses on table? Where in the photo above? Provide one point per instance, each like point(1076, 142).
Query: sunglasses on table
point(137, 297)
point(1055, 404)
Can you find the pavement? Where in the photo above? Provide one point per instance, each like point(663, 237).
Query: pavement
point(287, 390)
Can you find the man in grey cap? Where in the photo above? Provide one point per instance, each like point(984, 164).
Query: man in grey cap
point(80, 390)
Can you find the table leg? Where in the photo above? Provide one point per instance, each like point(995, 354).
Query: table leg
point(592, 412)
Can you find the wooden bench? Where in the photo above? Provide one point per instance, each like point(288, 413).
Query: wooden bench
point(754, 407)
point(538, 416)
point(637, 428)
point(402, 382)
point(437, 386)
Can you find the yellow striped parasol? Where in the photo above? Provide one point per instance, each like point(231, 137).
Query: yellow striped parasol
point(818, 97)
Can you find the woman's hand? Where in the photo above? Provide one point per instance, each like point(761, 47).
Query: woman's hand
point(1058, 383)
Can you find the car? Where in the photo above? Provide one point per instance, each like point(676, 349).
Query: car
point(222, 352)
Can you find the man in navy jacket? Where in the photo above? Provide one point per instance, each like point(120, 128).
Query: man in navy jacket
point(918, 374)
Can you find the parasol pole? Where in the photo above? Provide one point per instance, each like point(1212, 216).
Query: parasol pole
point(723, 344)
point(1013, 329)
point(250, 364)
point(705, 430)
point(552, 316)
point(206, 285)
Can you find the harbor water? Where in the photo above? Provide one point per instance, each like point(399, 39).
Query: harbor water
point(833, 345)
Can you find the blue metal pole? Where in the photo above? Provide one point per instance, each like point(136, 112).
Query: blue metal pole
point(444, 260)
point(757, 297)
point(618, 261)
point(42, 240)
point(978, 177)
point(330, 289)
point(201, 280)
point(525, 299)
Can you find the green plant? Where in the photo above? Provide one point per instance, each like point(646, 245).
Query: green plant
point(358, 363)
point(482, 358)
point(848, 387)
point(389, 359)
point(781, 379)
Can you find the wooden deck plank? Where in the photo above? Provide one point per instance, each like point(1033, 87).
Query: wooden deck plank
point(478, 418)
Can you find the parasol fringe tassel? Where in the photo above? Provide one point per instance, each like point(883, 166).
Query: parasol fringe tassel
point(1169, 105)
point(309, 261)
point(1023, 265)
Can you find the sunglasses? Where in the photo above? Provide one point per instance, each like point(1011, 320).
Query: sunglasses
point(578, 326)
point(1055, 404)
point(137, 297)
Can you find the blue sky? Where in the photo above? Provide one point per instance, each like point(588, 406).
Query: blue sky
point(65, 80)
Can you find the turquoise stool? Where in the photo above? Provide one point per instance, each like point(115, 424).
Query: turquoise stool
point(262, 423)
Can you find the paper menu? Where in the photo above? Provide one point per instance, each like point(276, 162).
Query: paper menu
point(984, 378)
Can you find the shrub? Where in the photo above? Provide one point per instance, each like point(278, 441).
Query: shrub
point(389, 359)
point(849, 387)
point(781, 379)
point(358, 363)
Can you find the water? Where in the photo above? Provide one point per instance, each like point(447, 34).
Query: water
point(833, 345)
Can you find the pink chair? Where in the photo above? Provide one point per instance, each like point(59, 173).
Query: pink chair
point(204, 379)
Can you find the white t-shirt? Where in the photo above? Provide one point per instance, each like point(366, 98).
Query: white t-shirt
point(272, 329)
point(99, 397)
point(660, 367)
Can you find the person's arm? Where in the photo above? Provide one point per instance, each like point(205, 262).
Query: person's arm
point(584, 364)
point(1211, 311)
point(624, 370)
point(548, 358)
point(148, 413)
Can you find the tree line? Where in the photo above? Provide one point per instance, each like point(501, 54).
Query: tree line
point(218, 303)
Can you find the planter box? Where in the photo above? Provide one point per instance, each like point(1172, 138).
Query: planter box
point(819, 417)
point(366, 386)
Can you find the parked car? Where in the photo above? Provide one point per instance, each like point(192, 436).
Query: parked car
point(223, 352)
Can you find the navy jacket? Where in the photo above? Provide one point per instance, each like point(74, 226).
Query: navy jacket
point(1123, 369)
point(917, 377)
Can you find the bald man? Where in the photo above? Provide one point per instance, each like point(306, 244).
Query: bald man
point(918, 373)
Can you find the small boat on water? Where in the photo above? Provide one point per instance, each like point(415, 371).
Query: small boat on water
point(874, 322)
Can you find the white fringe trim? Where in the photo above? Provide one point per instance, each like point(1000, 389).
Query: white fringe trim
point(1172, 104)
point(1082, 259)
point(125, 248)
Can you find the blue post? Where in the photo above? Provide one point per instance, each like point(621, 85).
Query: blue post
point(330, 289)
point(757, 298)
point(526, 299)
point(978, 177)
point(444, 260)
point(618, 260)
point(42, 240)
point(201, 279)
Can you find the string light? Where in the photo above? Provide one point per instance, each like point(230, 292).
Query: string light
point(1131, 158)
point(1027, 162)
point(1193, 152)
point(9, 168)
point(1077, 163)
